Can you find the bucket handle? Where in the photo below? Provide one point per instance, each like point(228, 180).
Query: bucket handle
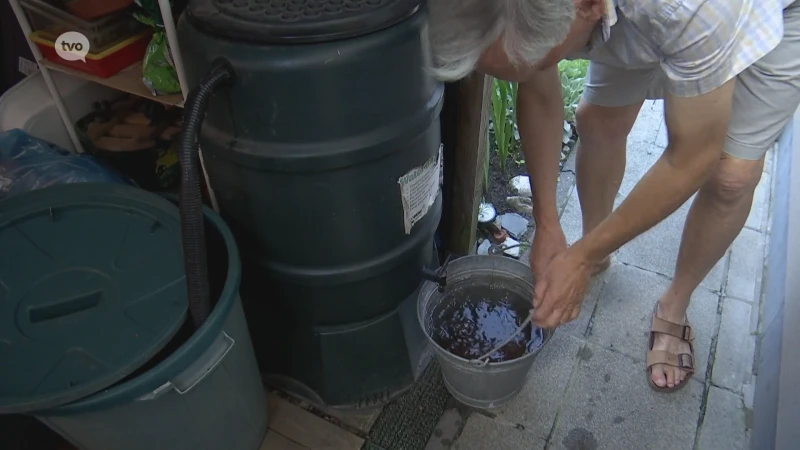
point(197, 371)
point(482, 361)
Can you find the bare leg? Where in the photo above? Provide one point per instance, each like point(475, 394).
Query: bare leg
point(600, 161)
point(715, 219)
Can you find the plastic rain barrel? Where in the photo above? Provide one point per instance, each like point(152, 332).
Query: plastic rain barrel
point(200, 391)
point(324, 156)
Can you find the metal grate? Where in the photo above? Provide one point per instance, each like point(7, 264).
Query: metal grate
point(408, 422)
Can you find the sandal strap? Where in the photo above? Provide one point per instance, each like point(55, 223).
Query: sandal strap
point(682, 332)
point(684, 361)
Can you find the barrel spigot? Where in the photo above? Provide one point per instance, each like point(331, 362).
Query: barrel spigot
point(438, 276)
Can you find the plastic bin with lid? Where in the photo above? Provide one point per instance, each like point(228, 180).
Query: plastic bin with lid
point(98, 347)
point(51, 21)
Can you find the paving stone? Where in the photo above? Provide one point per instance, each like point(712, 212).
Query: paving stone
point(648, 122)
point(361, 420)
point(566, 185)
point(661, 139)
point(769, 159)
point(623, 316)
point(571, 221)
point(609, 405)
point(760, 204)
point(734, 358)
point(724, 423)
point(640, 157)
point(482, 433)
point(569, 164)
point(657, 249)
point(514, 223)
point(446, 430)
point(536, 406)
point(747, 265)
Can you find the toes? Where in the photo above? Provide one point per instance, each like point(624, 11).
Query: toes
point(658, 376)
point(670, 373)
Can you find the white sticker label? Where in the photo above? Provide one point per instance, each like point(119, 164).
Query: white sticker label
point(419, 189)
point(27, 67)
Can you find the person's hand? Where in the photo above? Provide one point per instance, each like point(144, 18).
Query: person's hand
point(561, 288)
point(547, 243)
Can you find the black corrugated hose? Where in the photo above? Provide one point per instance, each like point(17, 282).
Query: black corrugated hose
point(191, 200)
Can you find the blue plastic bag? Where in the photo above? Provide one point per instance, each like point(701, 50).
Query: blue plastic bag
point(28, 163)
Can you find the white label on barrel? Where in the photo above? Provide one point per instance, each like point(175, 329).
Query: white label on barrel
point(419, 189)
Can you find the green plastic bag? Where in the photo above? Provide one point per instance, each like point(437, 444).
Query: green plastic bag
point(158, 69)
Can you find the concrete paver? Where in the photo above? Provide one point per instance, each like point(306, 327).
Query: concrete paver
point(733, 363)
point(640, 157)
point(611, 406)
point(482, 433)
point(588, 389)
point(623, 318)
point(536, 406)
point(746, 266)
point(648, 123)
point(724, 423)
point(755, 220)
point(657, 250)
point(446, 431)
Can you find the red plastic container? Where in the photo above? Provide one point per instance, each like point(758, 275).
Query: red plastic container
point(104, 64)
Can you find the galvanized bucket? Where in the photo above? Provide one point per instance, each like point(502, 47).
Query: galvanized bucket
point(477, 383)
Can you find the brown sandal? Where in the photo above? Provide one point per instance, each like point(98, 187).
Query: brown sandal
point(683, 361)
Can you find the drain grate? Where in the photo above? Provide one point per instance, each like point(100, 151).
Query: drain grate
point(408, 422)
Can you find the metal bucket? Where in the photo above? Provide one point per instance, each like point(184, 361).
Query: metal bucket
point(491, 384)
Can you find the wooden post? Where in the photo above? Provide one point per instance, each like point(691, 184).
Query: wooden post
point(465, 118)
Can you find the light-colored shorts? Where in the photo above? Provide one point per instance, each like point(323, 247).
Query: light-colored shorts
point(766, 95)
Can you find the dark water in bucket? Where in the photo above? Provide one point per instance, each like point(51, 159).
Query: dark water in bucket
point(471, 321)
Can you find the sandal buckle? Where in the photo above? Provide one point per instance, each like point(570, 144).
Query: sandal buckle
point(688, 364)
point(687, 333)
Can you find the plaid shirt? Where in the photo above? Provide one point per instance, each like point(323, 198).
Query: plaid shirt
point(698, 44)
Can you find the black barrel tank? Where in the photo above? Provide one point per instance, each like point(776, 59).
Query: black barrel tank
point(325, 159)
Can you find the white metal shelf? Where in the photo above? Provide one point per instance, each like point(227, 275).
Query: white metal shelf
point(128, 80)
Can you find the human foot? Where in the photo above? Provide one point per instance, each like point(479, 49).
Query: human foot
point(670, 359)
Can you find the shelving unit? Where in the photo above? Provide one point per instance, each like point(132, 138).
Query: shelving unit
point(128, 80)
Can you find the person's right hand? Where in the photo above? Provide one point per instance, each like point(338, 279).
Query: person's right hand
point(548, 241)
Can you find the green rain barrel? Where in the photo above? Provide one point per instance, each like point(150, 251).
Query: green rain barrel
point(324, 155)
point(94, 335)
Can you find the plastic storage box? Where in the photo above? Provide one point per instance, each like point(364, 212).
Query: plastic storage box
point(50, 22)
point(104, 64)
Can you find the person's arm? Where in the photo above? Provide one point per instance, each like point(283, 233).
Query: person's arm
point(540, 118)
point(697, 128)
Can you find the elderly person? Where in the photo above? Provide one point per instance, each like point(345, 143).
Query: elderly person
point(729, 74)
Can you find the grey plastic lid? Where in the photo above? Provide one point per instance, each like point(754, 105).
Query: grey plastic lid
point(92, 286)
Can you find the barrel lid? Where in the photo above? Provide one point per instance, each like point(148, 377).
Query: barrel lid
point(92, 286)
point(298, 21)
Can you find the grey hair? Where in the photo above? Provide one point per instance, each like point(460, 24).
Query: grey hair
point(459, 31)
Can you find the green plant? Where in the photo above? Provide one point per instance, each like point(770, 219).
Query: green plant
point(573, 80)
point(504, 118)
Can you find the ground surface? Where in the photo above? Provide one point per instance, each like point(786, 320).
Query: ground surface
point(588, 388)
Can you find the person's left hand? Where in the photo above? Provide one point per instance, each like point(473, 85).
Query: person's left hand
point(560, 290)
